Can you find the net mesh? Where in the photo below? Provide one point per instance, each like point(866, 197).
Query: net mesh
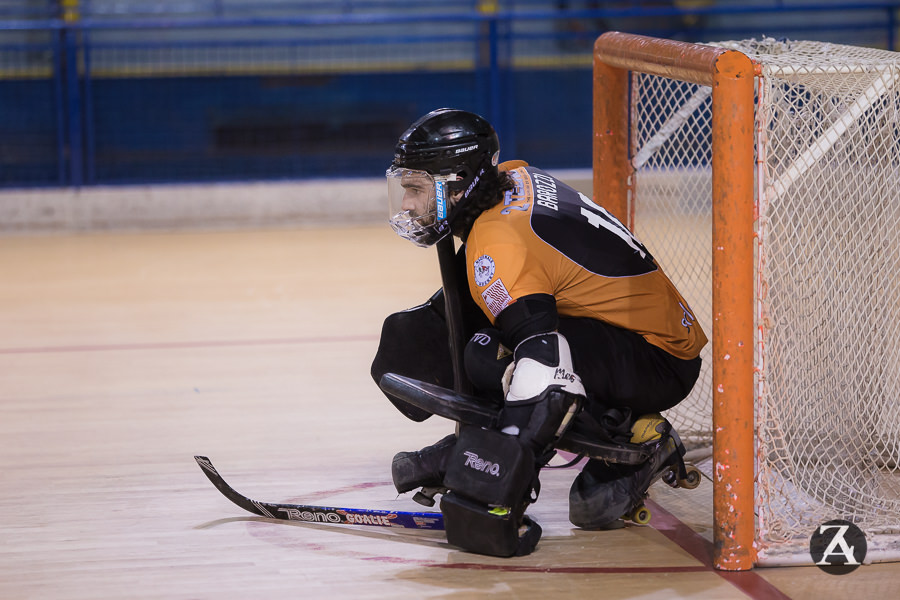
point(828, 258)
point(672, 213)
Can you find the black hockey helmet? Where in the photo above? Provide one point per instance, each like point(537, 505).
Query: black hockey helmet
point(447, 141)
point(453, 151)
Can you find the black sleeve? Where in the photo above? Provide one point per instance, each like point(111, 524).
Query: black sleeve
point(527, 316)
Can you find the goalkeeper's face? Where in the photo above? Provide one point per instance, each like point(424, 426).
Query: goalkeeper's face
point(418, 204)
point(418, 194)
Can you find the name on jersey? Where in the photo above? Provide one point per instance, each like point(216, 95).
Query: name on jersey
point(545, 191)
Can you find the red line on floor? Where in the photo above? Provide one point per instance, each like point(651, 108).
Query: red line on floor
point(315, 496)
point(570, 570)
point(749, 582)
point(196, 344)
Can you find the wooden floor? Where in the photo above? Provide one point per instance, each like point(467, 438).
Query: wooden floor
point(124, 355)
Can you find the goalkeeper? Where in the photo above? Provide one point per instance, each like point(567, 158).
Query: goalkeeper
point(571, 320)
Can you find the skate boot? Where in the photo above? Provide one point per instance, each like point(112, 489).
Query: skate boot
point(423, 468)
point(604, 493)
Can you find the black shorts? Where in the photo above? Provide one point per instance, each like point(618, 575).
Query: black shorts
point(620, 369)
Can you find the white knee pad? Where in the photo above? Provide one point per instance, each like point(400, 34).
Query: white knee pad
point(541, 361)
point(542, 390)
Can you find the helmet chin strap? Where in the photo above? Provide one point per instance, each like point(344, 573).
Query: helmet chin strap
point(455, 197)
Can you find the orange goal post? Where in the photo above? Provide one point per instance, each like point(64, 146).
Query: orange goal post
point(765, 178)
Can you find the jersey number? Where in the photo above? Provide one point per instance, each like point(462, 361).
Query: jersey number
point(600, 217)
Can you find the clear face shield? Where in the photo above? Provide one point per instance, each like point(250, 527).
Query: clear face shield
point(418, 203)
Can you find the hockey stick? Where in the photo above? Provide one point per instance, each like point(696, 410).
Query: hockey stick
point(322, 514)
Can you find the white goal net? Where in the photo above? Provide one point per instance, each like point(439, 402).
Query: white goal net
point(828, 277)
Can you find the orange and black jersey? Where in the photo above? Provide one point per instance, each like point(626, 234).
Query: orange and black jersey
point(547, 238)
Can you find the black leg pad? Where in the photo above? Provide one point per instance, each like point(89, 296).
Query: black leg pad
point(414, 343)
point(474, 527)
point(491, 467)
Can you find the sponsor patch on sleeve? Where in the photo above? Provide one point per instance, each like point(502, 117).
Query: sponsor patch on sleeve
point(484, 270)
point(496, 297)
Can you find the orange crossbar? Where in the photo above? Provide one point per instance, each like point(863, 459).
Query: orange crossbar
point(730, 74)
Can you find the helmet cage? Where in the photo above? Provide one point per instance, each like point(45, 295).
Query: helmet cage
point(419, 204)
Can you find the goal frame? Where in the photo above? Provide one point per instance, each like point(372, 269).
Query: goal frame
point(731, 76)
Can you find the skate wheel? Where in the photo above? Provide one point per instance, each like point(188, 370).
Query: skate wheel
point(641, 515)
point(670, 477)
point(692, 479)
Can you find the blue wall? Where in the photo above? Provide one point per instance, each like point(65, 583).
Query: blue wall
point(314, 126)
point(110, 98)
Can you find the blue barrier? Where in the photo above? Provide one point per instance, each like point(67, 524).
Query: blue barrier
point(227, 93)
